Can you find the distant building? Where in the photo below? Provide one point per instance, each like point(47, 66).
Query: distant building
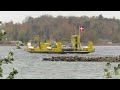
point(109, 42)
point(14, 42)
point(105, 41)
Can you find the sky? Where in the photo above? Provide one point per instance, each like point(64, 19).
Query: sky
point(19, 16)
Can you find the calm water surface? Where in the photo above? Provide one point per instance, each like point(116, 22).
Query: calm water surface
point(31, 66)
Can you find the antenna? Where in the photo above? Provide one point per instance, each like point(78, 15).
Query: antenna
point(39, 39)
point(0, 24)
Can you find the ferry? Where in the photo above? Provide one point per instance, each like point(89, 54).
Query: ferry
point(62, 49)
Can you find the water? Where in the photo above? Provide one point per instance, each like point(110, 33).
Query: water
point(31, 66)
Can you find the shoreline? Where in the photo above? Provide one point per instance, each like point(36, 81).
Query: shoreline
point(102, 44)
point(7, 45)
point(83, 44)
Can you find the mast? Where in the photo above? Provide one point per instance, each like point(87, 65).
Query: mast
point(39, 39)
point(80, 47)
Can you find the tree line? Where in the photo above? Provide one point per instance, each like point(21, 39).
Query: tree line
point(48, 28)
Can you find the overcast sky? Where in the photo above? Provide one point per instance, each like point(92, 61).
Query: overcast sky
point(19, 16)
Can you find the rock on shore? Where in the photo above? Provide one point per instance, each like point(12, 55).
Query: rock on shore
point(85, 59)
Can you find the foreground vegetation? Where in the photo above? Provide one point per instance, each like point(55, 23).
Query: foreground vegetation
point(8, 60)
point(111, 71)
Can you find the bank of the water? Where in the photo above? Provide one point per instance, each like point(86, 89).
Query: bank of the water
point(7, 44)
point(83, 44)
point(103, 44)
